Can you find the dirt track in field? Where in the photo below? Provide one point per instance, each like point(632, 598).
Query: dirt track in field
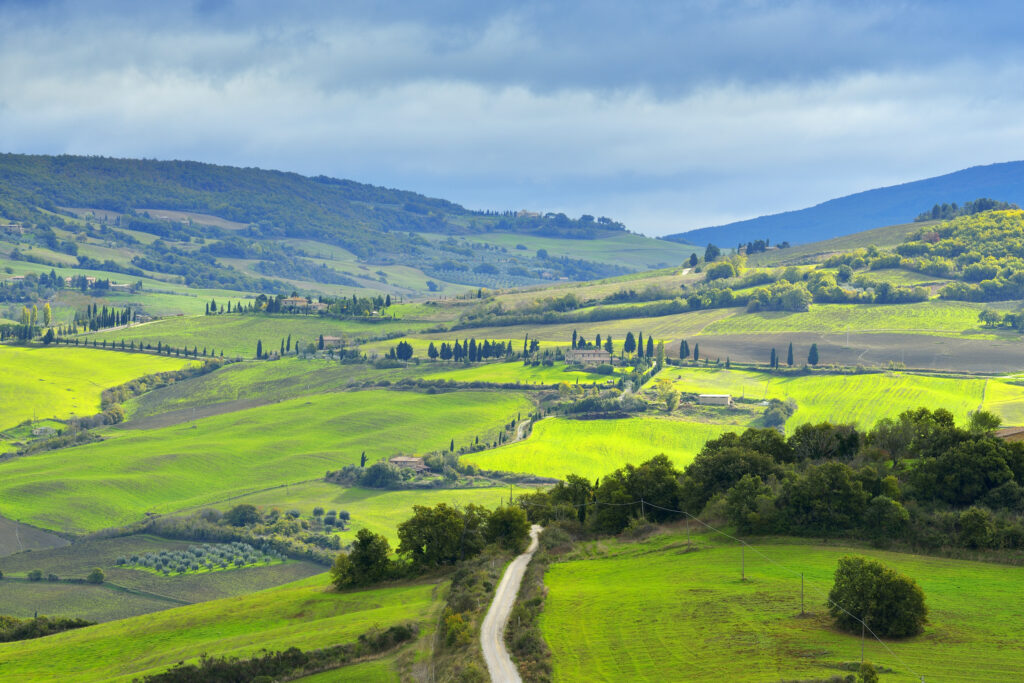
point(916, 351)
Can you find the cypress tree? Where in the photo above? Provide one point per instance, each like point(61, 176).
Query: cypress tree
point(650, 348)
point(789, 355)
point(640, 344)
point(696, 352)
point(574, 339)
point(812, 355)
point(774, 360)
point(259, 348)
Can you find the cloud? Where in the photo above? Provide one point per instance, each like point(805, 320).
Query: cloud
point(668, 117)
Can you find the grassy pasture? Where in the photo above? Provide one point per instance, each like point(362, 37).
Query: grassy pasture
point(887, 236)
point(304, 614)
point(258, 383)
point(651, 611)
point(514, 372)
point(592, 448)
point(165, 469)
point(61, 382)
point(943, 318)
point(378, 510)
point(237, 335)
point(629, 250)
point(860, 399)
point(666, 327)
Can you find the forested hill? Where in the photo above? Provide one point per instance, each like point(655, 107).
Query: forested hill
point(870, 209)
point(366, 219)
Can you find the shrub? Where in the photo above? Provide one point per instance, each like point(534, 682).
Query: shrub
point(96, 576)
point(890, 604)
point(35, 575)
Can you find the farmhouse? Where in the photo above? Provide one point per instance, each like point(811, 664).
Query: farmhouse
point(588, 356)
point(331, 342)
point(43, 431)
point(715, 400)
point(294, 302)
point(405, 461)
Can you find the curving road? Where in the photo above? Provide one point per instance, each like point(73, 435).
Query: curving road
point(492, 633)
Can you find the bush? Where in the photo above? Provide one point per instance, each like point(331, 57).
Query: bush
point(96, 576)
point(35, 575)
point(507, 526)
point(890, 604)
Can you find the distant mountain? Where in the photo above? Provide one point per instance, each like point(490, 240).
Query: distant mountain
point(368, 220)
point(870, 209)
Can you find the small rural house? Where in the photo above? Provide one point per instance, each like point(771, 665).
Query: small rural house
point(408, 462)
point(588, 356)
point(715, 400)
point(332, 342)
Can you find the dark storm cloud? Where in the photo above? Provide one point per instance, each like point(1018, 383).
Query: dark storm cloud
point(668, 115)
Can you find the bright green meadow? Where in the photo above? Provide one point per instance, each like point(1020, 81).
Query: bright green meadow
point(303, 614)
point(198, 463)
point(651, 611)
point(592, 448)
point(37, 383)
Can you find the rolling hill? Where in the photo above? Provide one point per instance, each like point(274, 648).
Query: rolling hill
point(869, 209)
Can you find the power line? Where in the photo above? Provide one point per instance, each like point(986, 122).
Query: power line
point(644, 503)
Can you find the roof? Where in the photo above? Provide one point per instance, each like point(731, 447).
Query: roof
point(405, 458)
point(715, 395)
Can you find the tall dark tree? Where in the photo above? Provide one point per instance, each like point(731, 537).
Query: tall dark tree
point(609, 345)
point(684, 350)
point(649, 352)
point(432, 351)
point(711, 253)
point(640, 344)
point(320, 343)
point(812, 355)
point(789, 355)
point(773, 362)
point(693, 260)
point(629, 346)
point(259, 348)
point(696, 352)
point(574, 339)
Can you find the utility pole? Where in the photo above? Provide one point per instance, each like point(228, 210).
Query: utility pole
point(862, 642)
point(801, 594)
point(743, 563)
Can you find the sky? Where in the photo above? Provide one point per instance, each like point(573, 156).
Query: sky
point(668, 116)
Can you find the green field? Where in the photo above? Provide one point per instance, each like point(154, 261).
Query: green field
point(146, 591)
point(378, 510)
point(303, 614)
point(236, 335)
point(158, 297)
point(652, 612)
point(37, 383)
point(859, 399)
point(667, 327)
point(165, 469)
point(887, 236)
point(945, 318)
point(632, 251)
point(514, 371)
point(260, 382)
point(592, 448)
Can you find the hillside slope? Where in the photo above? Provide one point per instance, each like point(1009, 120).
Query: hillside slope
point(869, 209)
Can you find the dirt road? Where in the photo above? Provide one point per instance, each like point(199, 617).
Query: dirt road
point(492, 633)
